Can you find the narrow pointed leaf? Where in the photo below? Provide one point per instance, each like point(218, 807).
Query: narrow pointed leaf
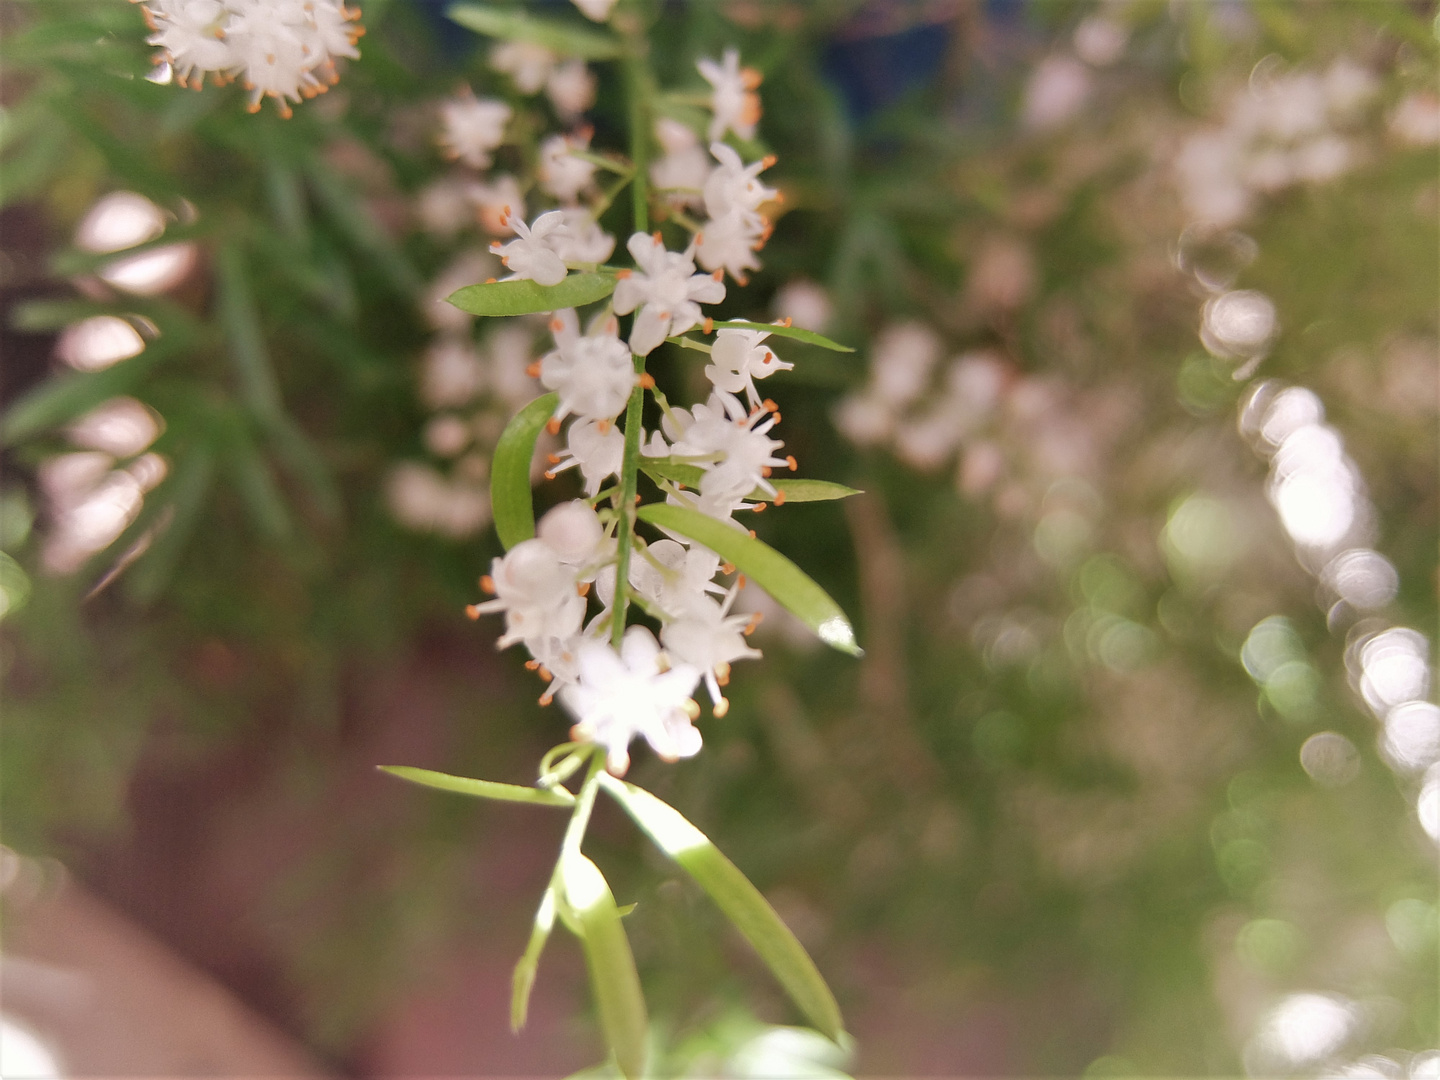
point(484, 789)
point(526, 297)
point(510, 25)
point(523, 981)
point(790, 586)
point(741, 902)
point(793, 332)
point(510, 501)
point(794, 490)
point(613, 978)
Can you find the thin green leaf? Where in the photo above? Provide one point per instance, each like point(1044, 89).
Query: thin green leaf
point(741, 902)
point(241, 323)
point(790, 586)
point(255, 482)
point(346, 209)
point(613, 978)
point(523, 980)
point(483, 789)
point(187, 489)
point(526, 297)
point(807, 336)
point(510, 501)
point(794, 490)
point(509, 25)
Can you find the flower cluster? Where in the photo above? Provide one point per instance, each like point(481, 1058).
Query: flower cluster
point(1285, 128)
point(284, 49)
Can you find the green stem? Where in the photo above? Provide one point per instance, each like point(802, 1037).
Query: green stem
point(584, 804)
point(629, 481)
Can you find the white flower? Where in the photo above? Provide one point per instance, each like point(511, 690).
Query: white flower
point(583, 241)
point(1056, 92)
point(904, 356)
point(729, 244)
point(527, 64)
point(593, 374)
point(738, 358)
point(681, 173)
point(741, 454)
point(473, 127)
point(674, 578)
point(733, 101)
point(424, 500)
point(450, 374)
point(496, 202)
point(734, 185)
point(562, 174)
point(285, 49)
point(571, 89)
point(597, 447)
point(666, 289)
point(444, 206)
point(508, 353)
point(533, 255)
point(465, 269)
point(711, 639)
point(536, 591)
point(573, 531)
point(620, 696)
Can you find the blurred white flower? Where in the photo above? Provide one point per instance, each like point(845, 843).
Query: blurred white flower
point(733, 100)
point(472, 127)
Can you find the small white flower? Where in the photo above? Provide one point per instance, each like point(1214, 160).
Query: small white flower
point(666, 289)
point(527, 64)
point(573, 531)
point(593, 374)
point(741, 453)
point(738, 358)
point(733, 100)
point(734, 185)
point(674, 578)
point(621, 695)
point(595, 10)
point(729, 243)
point(562, 174)
point(571, 89)
point(597, 447)
point(496, 202)
point(421, 498)
point(473, 127)
point(583, 241)
point(533, 255)
point(683, 169)
point(451, 374)
point(536, 591)
point(711, 639)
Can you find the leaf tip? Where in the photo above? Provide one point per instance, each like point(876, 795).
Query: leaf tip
point(839, 634)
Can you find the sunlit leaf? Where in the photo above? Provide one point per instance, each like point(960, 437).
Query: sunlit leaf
point(510, 501)
point(790, 586)
point(613, 978)
point(793, 332)
point(794, 490)
point(741, 902)
point(510, 25)
point(526, 297)
point(484, 789)
point(523, 980)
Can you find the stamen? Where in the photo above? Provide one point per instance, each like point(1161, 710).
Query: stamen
point(583, 588)
point(544, 673)
point(719, 275)
point(779, 498)
point(531, 665)
point(472, 611)
point(602, 426)
point(790, 460)
point(491, 280)
point(765, 471)
point(692, 710)
point(758, 507)
point(533, 370)
point(709, 325)
point(647, 381)
point(553, 426)
point(488, 584)
point(722, 673)
point(721, 707)
point(623, 274)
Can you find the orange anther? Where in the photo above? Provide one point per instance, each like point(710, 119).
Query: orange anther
point(487, 583)
point(752, 533)
point(768, 160)
point(656, 236)
point(556, 325)
point(531, 665)
point(491, 280)
point(583, 588)
point(603, 427)
point(554, 459)
point(533, 370)
point(544, 673)
point(728, 568)
point(623, 274)
point(790, 460)
point(550, 474)
point(769, 405)
point(709, 325)
point(472, 611)
point(646, 380)
point(740, 581)
point(765, 471)
point(553, 426)
point(779, 498)
point(719, 275)
point(722, 706)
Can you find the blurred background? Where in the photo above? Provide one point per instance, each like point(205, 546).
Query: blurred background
point(1138, 774)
